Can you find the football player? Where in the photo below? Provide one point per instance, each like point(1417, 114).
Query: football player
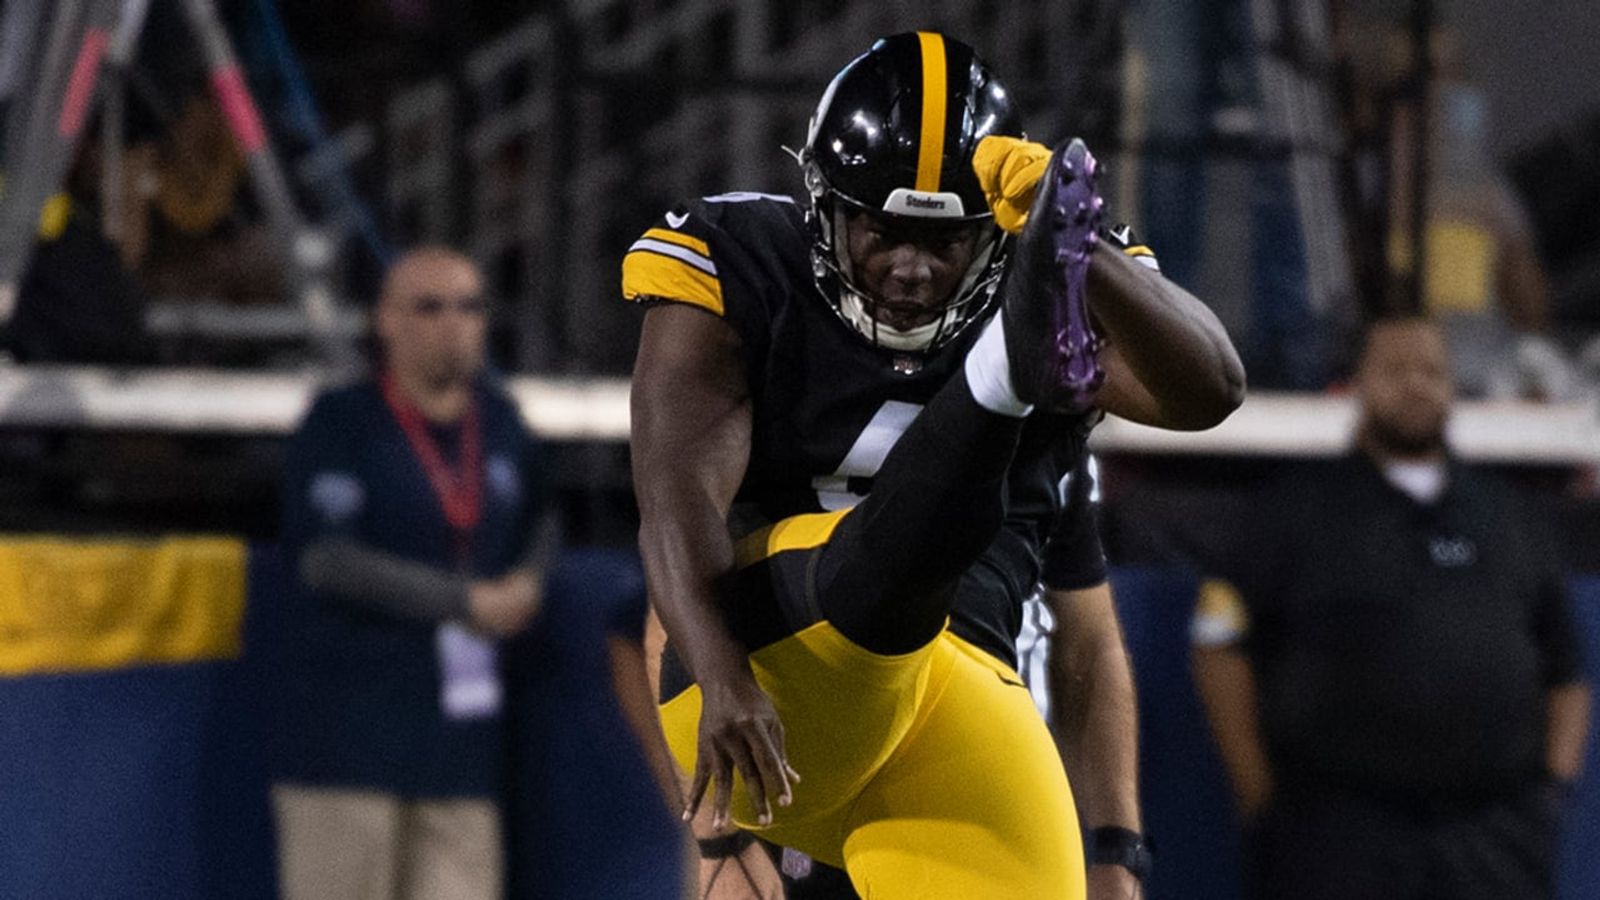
point(829, 403)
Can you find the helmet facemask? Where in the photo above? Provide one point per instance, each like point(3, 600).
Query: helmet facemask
point(836, 276)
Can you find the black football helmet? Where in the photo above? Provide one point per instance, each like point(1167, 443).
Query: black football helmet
point(894, 134)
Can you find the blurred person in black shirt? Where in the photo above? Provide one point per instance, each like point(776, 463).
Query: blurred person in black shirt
point(1389, 668)
point(76, 303)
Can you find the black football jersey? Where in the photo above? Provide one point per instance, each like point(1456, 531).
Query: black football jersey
point(828, 406)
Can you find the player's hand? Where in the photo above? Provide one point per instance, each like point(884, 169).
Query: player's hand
point(740, 731)
point(1112, 883)
point(504, 607)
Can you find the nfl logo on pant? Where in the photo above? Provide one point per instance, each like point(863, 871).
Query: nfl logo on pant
point(795, 863)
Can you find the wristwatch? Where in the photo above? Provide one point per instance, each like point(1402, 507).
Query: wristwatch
point(1111, 846)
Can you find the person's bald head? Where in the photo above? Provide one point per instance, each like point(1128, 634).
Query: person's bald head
point(1404, 387)
point(431, 318)
point(437, 267)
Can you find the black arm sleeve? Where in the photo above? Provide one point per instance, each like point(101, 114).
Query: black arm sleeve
point(382, 582)
point(543, 543)
point(1074, 558)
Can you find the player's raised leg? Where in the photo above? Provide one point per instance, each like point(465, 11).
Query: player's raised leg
point(885, 579)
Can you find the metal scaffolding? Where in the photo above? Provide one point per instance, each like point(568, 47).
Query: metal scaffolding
point(86, 40)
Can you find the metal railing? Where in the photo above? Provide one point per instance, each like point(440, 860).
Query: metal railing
point(588, 121)
point(206, 402)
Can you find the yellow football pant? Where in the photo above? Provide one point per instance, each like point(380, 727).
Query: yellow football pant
point(926, 775)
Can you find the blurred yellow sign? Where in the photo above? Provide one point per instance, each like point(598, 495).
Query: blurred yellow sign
point(70, 604)
point(1461, 258)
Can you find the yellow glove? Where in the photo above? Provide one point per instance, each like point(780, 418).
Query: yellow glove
point(1008, 169)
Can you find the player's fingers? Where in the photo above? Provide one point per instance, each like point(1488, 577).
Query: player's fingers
point(783, 752)
point(1023, 178)
point(748, 759)
point(774, 768)
point(722, 803)
point(702, 778)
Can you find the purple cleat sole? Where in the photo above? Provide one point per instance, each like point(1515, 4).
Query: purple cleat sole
point(1075, 216)
point(1051, 345)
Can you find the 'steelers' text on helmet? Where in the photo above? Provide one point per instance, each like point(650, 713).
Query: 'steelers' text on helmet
point(894, 134)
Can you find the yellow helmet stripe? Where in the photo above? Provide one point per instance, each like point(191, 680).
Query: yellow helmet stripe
point(930, 149)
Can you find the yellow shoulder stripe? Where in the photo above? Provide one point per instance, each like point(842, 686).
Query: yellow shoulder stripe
point(681, 239)
point(794, 533)
point(647, 274)
point(1138, 250)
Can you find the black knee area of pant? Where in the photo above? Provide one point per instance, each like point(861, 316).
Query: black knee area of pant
point(887, 579)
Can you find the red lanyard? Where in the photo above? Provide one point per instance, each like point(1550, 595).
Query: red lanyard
point(460, 493)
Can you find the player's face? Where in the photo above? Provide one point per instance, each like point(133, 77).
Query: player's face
point(912, 269)
point(1404, 387)
point(432, 320)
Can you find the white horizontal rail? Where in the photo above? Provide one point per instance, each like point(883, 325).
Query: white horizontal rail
point(209, 401)
point(1317, 425)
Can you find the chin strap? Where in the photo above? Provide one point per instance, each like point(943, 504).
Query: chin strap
point(854, 305)
point(854, 309)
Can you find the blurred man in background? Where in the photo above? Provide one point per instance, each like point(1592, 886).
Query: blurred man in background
point(1071, 652)
point(77, 303)
point(411, 502)
point(1484, 281)
point(1389, 671)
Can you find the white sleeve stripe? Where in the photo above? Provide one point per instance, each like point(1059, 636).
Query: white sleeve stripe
point(676, 252)
point(745, 197)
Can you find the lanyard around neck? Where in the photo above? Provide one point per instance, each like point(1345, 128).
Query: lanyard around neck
point(460, 493)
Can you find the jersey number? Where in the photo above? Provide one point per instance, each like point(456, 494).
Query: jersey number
point(866, 455)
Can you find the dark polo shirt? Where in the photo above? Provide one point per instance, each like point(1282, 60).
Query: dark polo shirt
point(366, 707)
point(1403, 648)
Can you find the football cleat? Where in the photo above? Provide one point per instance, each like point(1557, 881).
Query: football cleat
point(1051, 344)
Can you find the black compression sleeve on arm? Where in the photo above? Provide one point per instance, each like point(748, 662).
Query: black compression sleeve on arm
point(383, 582)
point(541, 550)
